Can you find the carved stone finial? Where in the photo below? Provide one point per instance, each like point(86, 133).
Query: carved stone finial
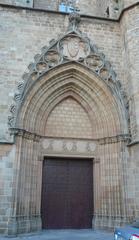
point(74, 20)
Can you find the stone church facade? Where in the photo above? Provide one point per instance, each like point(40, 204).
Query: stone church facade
point(69, 95)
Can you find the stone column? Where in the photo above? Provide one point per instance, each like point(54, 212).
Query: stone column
point(27, 193)
point(96, 190)
point(110, 186)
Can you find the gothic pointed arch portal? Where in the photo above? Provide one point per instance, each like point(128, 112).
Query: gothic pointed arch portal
point(70, 76)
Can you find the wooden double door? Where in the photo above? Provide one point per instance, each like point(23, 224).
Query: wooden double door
point(67, 193)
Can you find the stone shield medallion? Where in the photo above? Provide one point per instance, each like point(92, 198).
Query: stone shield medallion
point(73, 47)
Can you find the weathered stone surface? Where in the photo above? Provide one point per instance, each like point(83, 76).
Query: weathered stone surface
point(67, 94)
point(22, 3)
point(101, 8)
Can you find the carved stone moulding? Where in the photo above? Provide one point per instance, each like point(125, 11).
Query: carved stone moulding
point(115, 139)
point(94, 62)
point(25, 134)
point(68, 147)
point(73, 46)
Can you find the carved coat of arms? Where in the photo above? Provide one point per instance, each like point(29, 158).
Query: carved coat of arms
point(74, 48)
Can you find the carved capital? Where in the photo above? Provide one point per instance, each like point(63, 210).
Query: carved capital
point(115, 139)
point(25, 134)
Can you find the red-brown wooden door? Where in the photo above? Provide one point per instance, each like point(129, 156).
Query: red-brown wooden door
point(67, 194)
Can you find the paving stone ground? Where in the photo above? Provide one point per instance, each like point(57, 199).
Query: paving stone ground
point(66, 235)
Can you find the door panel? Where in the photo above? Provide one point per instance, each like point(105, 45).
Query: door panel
point(67, 193)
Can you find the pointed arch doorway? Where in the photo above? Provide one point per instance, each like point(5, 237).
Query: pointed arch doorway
point(67, 181)
point(96, 136)
point(87, 79)
point(53, 94)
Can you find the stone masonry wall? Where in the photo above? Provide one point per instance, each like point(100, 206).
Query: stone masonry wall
point(130, 33)
point(33, 31)
point(127, 3)
point(7, 157)
point(134, 186)
point(69, 119)
point(23, 34)
point(88, 7)
point(23, 3)
point(47, 4)
point(102, 8)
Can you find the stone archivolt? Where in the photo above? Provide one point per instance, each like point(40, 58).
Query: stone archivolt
point(73, 47)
